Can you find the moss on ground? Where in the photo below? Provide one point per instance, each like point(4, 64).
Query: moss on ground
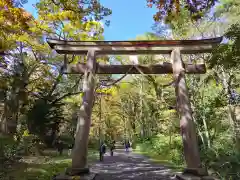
point(42, 167)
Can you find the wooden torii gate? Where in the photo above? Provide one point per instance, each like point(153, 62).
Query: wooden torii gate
point(173, 47)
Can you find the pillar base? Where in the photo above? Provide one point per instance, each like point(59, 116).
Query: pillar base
point(194, 174)
point(90, 176)
point(77, 171)
point(196, 171)
point(192, 177)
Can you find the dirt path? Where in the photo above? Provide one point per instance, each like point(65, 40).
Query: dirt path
point(127, 166)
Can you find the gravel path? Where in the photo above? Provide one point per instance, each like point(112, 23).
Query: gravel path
point(127, 166)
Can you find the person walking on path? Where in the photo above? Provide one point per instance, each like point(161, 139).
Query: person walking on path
point(127, 145)
point(70, 147)
point(102, 151)
point(112, 147)
point(60, 147)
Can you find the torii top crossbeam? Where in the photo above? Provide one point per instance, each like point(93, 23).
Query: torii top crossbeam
point(134, 47)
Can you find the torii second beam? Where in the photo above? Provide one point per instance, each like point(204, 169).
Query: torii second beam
point(165, 68)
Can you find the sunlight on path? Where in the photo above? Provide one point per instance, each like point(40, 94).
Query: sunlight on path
point(126, 166)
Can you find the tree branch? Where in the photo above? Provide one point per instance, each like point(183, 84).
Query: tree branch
point(66, 95)
point(59, 77)
point(111, 84)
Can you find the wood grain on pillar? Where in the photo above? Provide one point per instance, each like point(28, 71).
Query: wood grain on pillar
point(189, 137)
point(79, 153)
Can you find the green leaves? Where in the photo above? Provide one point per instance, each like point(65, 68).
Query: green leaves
point(44, 118)
point(228, 55)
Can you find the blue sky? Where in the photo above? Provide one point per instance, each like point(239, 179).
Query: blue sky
point(130, 18)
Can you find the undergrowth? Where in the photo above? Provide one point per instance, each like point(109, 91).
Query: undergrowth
point(221, 159)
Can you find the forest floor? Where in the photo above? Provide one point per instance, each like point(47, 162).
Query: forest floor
point(43, 167)
point(120, 166)
point(160, 159)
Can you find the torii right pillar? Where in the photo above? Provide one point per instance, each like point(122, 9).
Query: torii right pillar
point(188, 132)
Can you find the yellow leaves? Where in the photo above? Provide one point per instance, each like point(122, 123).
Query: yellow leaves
point(124, 85)
point(84, 36)
point(28, 40)
point(67, 20)
point(63, 15)
point(169, 114)
point(91, 24)
point(14, 22)
point(67, 27)
point(77, 24)
point(56, 16)
point(72, 27)
point(76, 99)
point(102, 60)
point(13, 15)
point(26, 133)
point(109, 90)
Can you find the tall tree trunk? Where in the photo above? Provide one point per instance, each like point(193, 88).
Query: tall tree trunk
point(226, 82)
point(237, 126)
point(142, 120)
point(3, 115)
point(188, 132)
point(79, 153)
point(232, 109)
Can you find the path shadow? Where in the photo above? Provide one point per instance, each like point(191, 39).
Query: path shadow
point(127, 166)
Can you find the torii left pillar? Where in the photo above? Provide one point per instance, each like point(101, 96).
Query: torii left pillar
point(80, 150)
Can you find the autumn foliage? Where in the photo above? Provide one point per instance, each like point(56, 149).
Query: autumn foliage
point(13, 20)
point(168, 9)
point(15, 16)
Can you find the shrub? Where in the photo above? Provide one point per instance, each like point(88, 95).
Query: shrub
point(8, 149)
point(222, 158)
point(8, 153)
point(164, 147)
point(30, 144)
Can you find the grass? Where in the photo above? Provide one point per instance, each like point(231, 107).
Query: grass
point(158, 159)
point(43, 167)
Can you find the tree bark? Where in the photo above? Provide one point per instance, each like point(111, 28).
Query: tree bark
point(3, 119)
point(226, 81)
point(188, 132)
point(232, 109)
point(79, 153)
point(237, 126)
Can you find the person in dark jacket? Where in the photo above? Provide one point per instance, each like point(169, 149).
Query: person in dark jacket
point(70, 147)
point(102, 150)
point(60, 147)
point(127, 145)
point(112, 147)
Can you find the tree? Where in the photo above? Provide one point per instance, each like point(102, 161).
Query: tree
point(216, 105)
point(14, 21)
point(170, 9)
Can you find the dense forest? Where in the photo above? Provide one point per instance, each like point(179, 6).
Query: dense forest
point(39, 103)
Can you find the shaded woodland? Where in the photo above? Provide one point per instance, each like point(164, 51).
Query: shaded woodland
point(39, 104)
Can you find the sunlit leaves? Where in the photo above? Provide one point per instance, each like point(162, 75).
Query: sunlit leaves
point(170, 9)
point(62, 19)
point(228, 55)
point(13, 21)
point(108, 90)
point(230, 9)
